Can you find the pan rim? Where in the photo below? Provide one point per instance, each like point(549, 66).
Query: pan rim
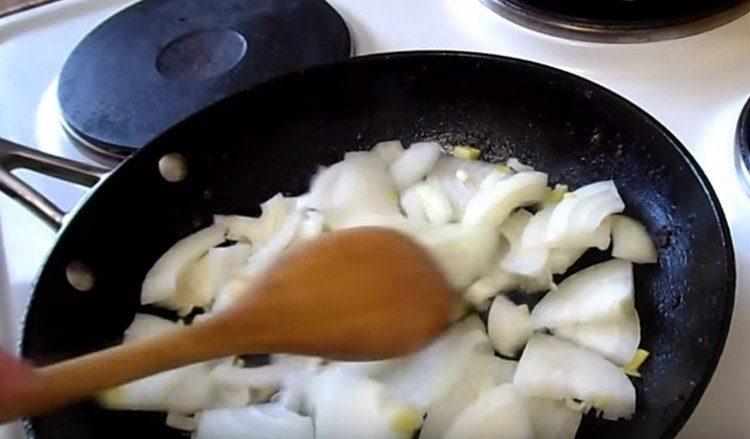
point(694, 396)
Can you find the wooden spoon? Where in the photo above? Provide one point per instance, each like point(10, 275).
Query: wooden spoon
point(363, 293)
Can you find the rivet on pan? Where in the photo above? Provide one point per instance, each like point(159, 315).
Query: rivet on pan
point(173, 167)
point(79, 276)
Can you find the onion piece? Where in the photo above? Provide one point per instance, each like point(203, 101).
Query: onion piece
point(460, 179)
point(521, 259)
point(580, 213)
point(493, 204)
point(482, 374)
point(415, 163)
point(617, 339)
point(181, 422)
point(255, 422)
point(631, 241)
point(161, 280)
point(200, 282)
point(427, 375)
point(496, 281)
point(500, 412)
point(595, 294)
point(146, 326)
point(389, 151)
point(185, 390)
point(464, 152)
point(348, 405)
point(557, 369)
point(552, 419)
point(509, 326)
point(361, 184)
point(258, 231)
point(516, 165)
point(464, 253)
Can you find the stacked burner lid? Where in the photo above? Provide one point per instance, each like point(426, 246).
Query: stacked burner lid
point(620, 21)
point(742, 151)
point(159, 61)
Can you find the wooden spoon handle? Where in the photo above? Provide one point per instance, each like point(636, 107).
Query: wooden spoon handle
point(73, 380)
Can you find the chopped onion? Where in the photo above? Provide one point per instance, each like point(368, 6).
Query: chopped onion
point(493, 204)
point(358, 185)
point(425, 201)
point(616, 339)
point(466, 152)
point(427, 375)
point(389, 151)
point(181, 422)
point(631, 241)
point(147, 325)
point(580, 213)
point(258, 231)
point(509, 326)
point(500, 412)
point(349, 405)
point(461, 179)
point(595, 294)
point(256, 422)
point(552, 419)
point(483, 373)
point(415, 163)
point(557, 369)
point(521, 259)
point(185, 390)
point(516, 165)
point(496, 281)
point(463, 252)
point(161, 280)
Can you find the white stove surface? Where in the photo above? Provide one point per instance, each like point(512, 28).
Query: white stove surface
point(696, 86)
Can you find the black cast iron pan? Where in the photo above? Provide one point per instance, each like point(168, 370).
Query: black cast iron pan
point(271, 138)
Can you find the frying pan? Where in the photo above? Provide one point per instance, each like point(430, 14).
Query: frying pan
point(271, 138)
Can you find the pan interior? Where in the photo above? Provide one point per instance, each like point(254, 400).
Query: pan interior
point(272, 138)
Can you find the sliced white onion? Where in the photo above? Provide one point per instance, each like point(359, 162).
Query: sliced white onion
point(557, 369)
point(161, 280)
point(500, 412)
point(437, 207)
point(311, 226)
point(181, 422)
point(461, 179)
point(389, 151)
point(463, 252)
point(361, 184)
point(493, 204)
point(616, 339)
point(631, 241)
point(264, 421)
point(427, 375)
point(147, 325)
point(258, 231)
point(185, 390)
point(482, 374)
point(552, 419)
point(597, 293)
point(521, 259)
point(516, 165)
point(509, 326)
point(412, 205)
point(496, 281)
point(415, 163)
point(347, 405)
point(560, 259)
point(580, 213)
point(201, 281)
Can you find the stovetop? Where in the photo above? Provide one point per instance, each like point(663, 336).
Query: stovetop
point(696, 86)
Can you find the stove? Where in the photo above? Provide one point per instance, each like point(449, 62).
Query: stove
point(695, 85)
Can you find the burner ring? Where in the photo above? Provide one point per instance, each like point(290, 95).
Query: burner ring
point(742, 149)
point(201, 54)
point(615, 31)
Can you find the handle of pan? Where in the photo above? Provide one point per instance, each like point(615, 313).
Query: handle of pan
point(14, 156)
